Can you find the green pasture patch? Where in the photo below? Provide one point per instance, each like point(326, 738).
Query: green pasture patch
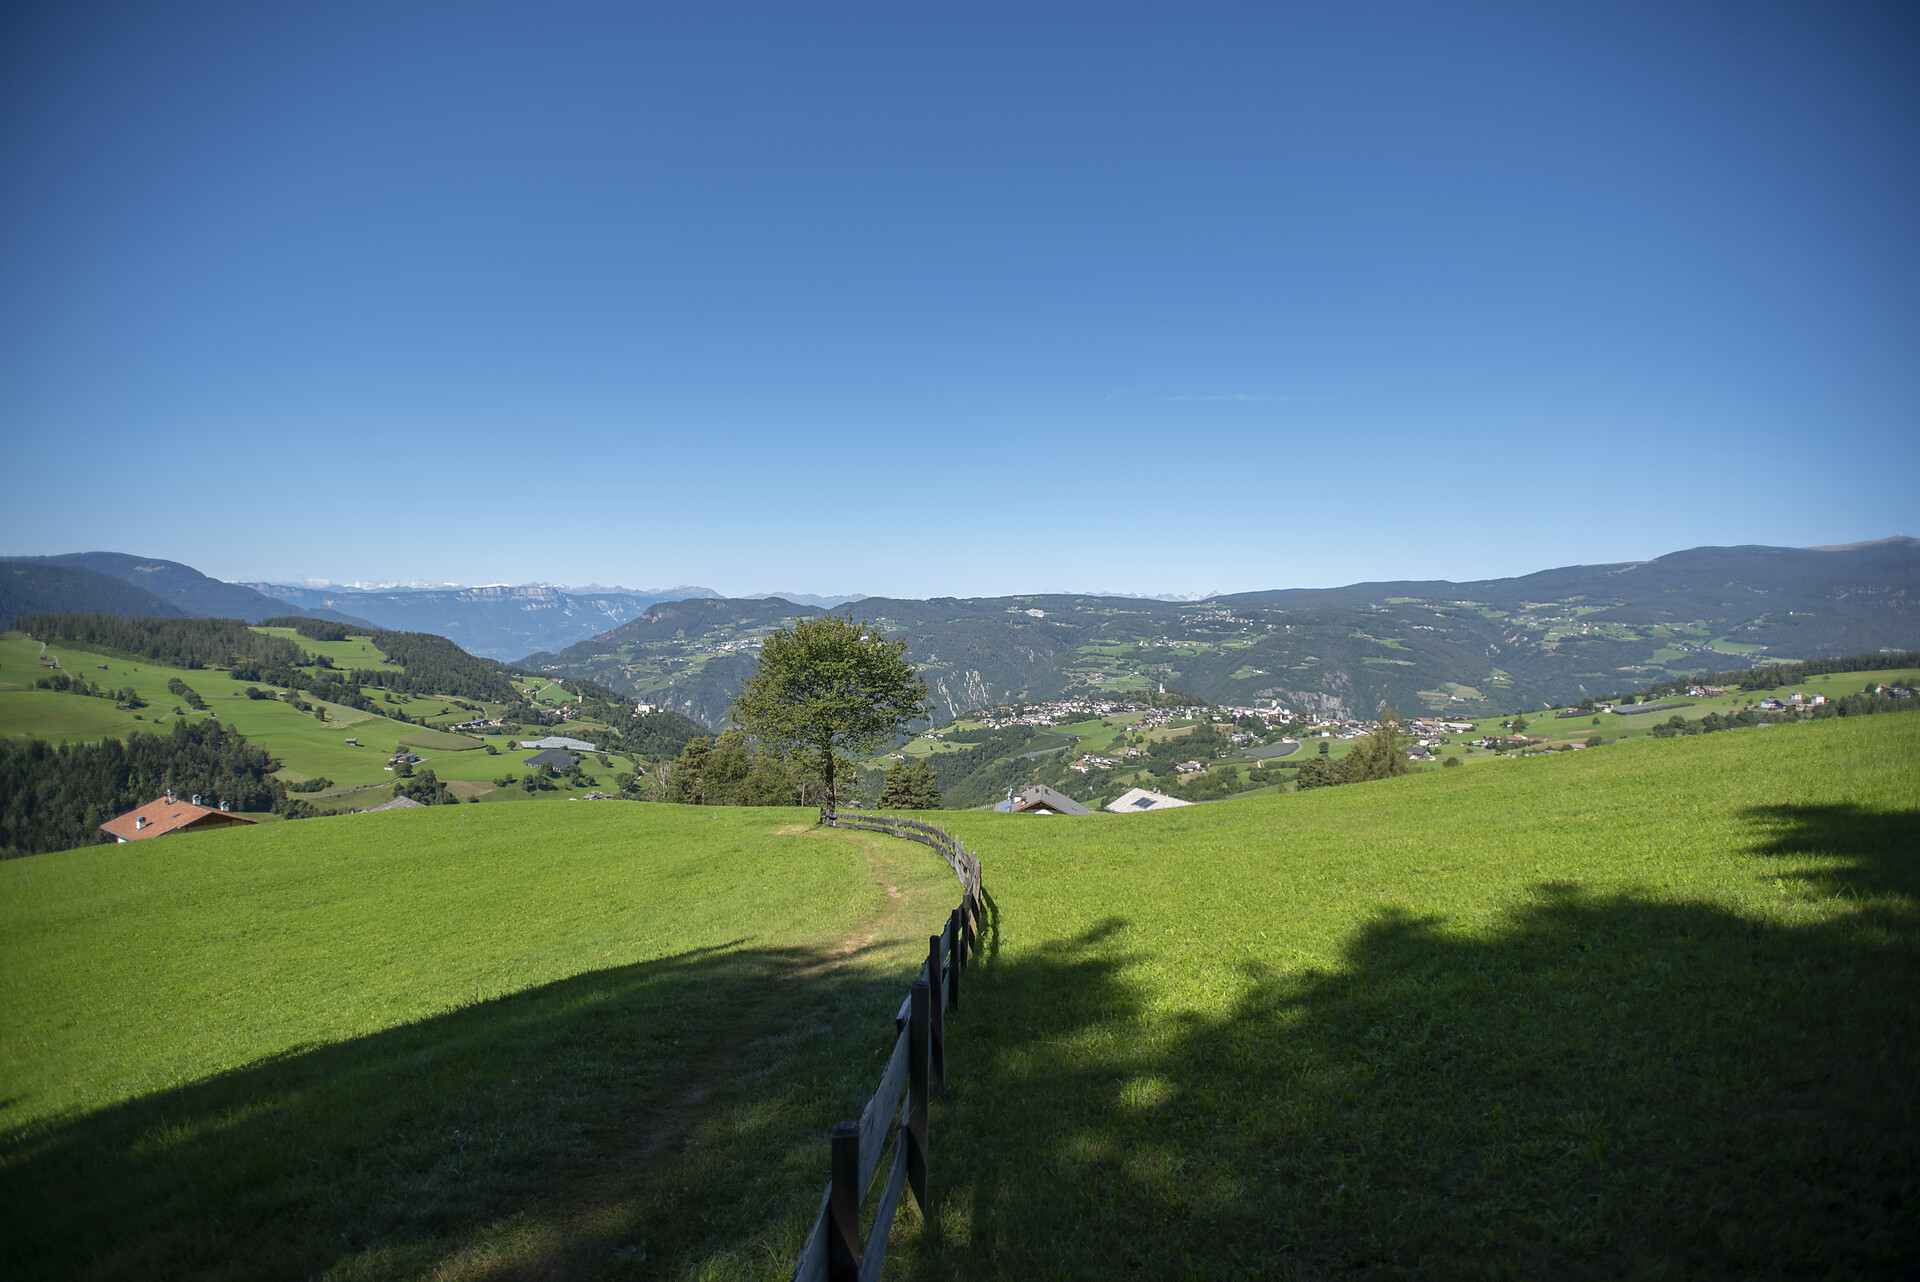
point(451, 1041)
point(1649, 1010)
point(439, 741)
point(354, 652)
point(1096, 736)
point(65, 718)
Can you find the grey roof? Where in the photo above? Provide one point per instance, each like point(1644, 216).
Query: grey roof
point(555, 757)
point(1040, 795)
point(558, 741)
point(398, 803)
point(1143, 799)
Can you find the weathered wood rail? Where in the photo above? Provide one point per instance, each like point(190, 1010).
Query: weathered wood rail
point(916, 1073)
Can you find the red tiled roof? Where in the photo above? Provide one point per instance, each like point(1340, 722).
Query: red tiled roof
point(164, 816)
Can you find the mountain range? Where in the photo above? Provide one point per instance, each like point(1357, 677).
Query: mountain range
point(498, 622)
point(1474, 647)
point(133, 587)
point(1429, 645)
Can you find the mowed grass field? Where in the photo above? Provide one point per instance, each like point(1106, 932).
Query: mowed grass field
point(461, 1040)
point(1648, 1011)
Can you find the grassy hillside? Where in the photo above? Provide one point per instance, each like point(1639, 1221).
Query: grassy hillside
point(1649, 1010)
point(463, 1035)
point(309, 748)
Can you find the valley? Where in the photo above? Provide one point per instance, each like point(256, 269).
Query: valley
point(1470, 649)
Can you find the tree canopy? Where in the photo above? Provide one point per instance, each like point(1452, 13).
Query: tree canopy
point(1381, 755)
point(832, 690)
point(909, 786)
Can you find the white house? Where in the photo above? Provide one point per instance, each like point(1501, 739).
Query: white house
point(1134, 799)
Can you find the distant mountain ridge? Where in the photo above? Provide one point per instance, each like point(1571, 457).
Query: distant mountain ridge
point(160, 589)
point(498, 622)
point(1554, 636)
point(826, 602)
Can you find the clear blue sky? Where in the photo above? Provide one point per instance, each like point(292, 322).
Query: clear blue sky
point(927, 299)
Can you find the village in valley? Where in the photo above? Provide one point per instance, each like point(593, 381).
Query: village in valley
point(1175, 749)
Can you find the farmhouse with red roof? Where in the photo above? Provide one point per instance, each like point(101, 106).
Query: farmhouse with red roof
point(166, 815)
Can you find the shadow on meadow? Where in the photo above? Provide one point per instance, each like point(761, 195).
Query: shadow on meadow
point(1600, 1085)
point(666, 1118)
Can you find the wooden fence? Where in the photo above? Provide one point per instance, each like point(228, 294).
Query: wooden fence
point(916, 1073)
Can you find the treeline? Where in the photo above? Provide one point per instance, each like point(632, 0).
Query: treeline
point(1381, 755)
point(988, 764)
point(659, 735)
point(1773, 676)
point(311, 629)
point(63, 683)
point(734, 771)
point(434, 665)
point(181, 690)
point(1863, 704)
point(426, 788)
point(56, 798)
point(177, 643)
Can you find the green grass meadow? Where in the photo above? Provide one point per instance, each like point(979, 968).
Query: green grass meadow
point(1642, 1012)
point(459, 1040)
point(307, 746)
point(1649, 1011)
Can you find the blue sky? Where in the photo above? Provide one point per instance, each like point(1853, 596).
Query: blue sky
point(941, 299)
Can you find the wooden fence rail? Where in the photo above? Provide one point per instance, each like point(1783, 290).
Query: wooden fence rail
point(916, 1073)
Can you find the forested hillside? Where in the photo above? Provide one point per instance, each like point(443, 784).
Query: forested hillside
point(56, 798)
point(35, 587)
point(334, 708)
point(1554, 637)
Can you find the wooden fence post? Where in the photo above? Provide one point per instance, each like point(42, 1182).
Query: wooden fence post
point(843, 1205)
point(953, 974)
point(937, 1023)
point(919, 1013)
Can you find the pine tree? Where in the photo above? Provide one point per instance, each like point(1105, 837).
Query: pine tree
point(909, 786)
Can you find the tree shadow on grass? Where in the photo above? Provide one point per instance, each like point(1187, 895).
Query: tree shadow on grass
point(1863, 852)
point(1601, 1085)
point(661, 1119)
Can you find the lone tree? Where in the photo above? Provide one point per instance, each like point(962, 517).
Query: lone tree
point(831, 689)
point(1382, 755)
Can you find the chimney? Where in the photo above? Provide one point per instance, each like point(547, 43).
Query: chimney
point(196, 798)
point(139, 822)
point(169, 796)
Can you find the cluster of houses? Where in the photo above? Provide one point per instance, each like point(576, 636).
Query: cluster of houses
point(1042, 800)
point(1794, 701)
